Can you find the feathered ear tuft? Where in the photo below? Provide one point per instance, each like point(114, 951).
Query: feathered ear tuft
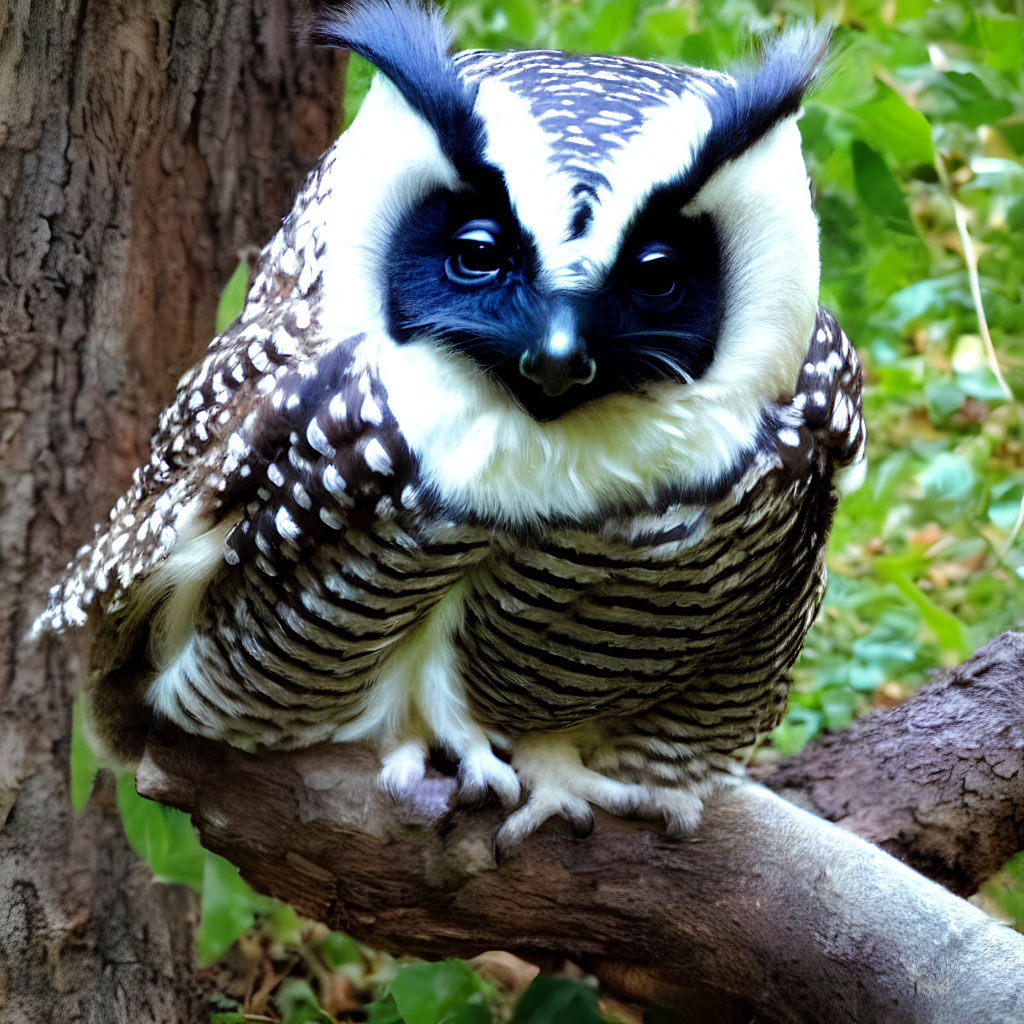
point(790, 63)
point(409, 43)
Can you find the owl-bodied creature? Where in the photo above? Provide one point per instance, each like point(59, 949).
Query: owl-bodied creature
point(523, 448)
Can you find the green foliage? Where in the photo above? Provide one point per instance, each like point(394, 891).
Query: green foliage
point(449, 992)
point(84, 763)
point(298, 1004)
point(557, 1001)
point(233, 297)
point(919, 115)
point(164, 838)
point(1007, 889)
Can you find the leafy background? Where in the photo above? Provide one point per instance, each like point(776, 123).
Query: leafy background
point(914, 143)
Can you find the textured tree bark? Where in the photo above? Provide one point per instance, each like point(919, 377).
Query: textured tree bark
point(937, 781)
point(766, 910)
point(144, 146)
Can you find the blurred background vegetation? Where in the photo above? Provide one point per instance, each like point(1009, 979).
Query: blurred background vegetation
point(914, 142)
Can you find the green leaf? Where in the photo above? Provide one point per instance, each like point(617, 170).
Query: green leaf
point(974, 105)
point(557, 1001)
point(946, 627)
point(665, 26)
point(1005, 503)
point(895, 128)
point(907, 9)
point(229, 907)
point(84, 763)
point(609, 22)
point(297, 1004)
point(232, 298)
point(947, 477)
point(1004, 513)
point(918, 300)
point(944, 397)
point(981, 383)
point(1007, 889)
point(1003, 39)
point(838, 705)
point(880, 193)
point(358, 76)
point(449, 992)
point(162, 836)
point(339, 949)
point(796, 730)
point(383, 1011)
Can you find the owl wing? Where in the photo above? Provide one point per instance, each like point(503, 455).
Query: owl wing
point(828, 399)
point(274, 432)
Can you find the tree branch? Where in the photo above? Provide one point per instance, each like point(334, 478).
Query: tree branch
point(765, 910)
point(936, 781)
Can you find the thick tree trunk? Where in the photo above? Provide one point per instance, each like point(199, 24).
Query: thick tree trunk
point(144, 146)
point(766, 910)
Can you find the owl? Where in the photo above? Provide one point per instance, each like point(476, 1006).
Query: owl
point(524, 449)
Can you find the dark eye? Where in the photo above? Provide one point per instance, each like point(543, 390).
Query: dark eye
point(476, 254)
point(655, 272)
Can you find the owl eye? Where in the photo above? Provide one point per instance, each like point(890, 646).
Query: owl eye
point(475, 254)
point(655, 273)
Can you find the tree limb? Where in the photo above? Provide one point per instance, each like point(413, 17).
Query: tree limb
point(766, 910)
point(936, 781)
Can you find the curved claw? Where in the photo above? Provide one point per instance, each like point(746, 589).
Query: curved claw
point(518, 827)
point(480, 772)
point(403, 768)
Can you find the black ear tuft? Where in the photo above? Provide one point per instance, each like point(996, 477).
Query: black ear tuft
point(773, 91)
point(745, 110)
point(408, 41)
point(791, 62)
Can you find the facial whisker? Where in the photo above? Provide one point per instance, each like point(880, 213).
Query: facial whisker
point(657, 360)
point(657, 333)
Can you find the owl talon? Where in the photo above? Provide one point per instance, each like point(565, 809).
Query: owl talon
point(480, 772)
point(582, 824)
point(403, 768)
point(524, 822)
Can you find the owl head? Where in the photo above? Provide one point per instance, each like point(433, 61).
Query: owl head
point(553, 248)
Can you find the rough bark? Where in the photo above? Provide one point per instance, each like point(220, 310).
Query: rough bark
point(937, 781)
point(143, 147)
point(766, 910)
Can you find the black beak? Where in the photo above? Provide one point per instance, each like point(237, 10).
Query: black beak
point(560, 361)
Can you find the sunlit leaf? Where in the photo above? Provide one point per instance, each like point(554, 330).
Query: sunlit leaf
point(449, 992)
point(232, 298)
point(894, 128)
point(1002, 38)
